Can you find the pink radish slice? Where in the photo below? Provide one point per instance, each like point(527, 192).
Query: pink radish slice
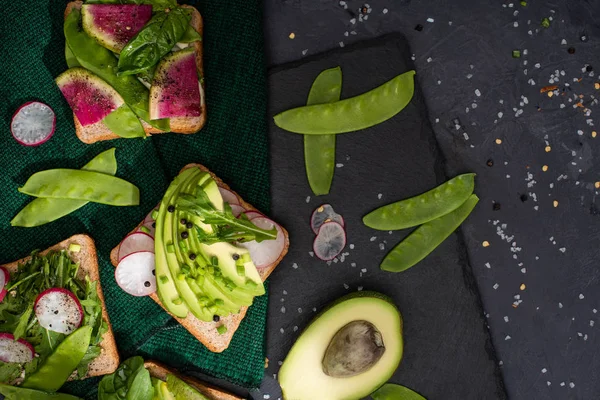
point(267, 251)
point(149, 223)
point(237, 210)
point(134, 242)
point(229, 196)
point(11, 351)
point(3, 294)
point(4, 279)
point(135, 274)
point(324, 213)
point(330, 241)
point(33, 123)
point(58, 310)
point(253, 214)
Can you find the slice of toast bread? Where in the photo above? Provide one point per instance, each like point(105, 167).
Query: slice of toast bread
point(99, 131)
point(159, 371)
point(108, 360)
point(206, 332)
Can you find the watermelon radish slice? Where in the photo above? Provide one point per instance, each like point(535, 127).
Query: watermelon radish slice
point(4, 279)
point(33, 123)
point(229, 197)
point(15, 351)
point(113, 25)
point(175, 91)
point(135, 274)
point(134, 242)
point(322, 214)
point(267, 251)
point(330, 241)
point(253, 214)
point(90, 97)
point(58, 310)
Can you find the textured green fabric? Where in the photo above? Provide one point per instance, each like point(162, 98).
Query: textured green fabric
point(233, 144)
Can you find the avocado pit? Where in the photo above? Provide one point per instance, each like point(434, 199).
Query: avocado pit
point(354, 349)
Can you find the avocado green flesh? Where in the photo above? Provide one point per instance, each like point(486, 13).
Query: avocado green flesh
point(182, 390)
point(165, 393)
point(301, 376)
point(157, 385)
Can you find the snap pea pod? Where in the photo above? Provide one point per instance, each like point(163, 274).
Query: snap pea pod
point(351, 114)
point(389, 391)
point(319, 150)
point(82, 185)
point(103, 63)
point(19, 393)
point(124, 123)
point(422, 208)
point(426, 238)
point(59, 365)
point(70, 57)
point(43, 210)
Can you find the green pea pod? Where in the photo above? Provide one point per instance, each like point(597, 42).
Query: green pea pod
point(389, 391)
point(43, 210)
point(103, 63)
point(70, 57)
point(426, 238)
point(82, 185)
point(124, 123)
point(319, 150)
point(59, 365)
point(351, 114)
point(19, 393)
point(422, 208)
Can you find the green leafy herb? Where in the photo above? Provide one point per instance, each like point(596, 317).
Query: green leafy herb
point(516, 53)
point(546, 22)
point(19, 393)
point(155, 40)
point(226, 227)
point(190, 35)
point(130, 381)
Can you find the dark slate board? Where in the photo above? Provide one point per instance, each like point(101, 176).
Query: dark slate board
point(448, 352)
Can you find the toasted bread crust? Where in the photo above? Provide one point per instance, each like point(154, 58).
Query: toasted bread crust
point(108, 361)
point(206, 332)
point(160, 371)
point(186, 125)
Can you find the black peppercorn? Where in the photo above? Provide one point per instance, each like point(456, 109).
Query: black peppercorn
point(571, 50)
point(236, 256)
point(419, 27)
point(147, 284)
point(490, 163)
point(189, 225)
point(589, 68)
point(183, 221)
point(496, 207)
point(184, 235)
point(524, 197)
point(192, 256)
point(171, 208)
point(216, 318)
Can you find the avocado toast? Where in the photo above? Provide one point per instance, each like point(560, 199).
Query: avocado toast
point(206, 330)
point(82, 275)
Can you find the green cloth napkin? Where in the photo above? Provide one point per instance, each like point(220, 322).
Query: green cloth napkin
point(233, 144)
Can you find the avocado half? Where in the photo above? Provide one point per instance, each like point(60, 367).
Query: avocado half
point(303, 374)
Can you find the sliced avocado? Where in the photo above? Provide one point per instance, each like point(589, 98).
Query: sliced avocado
point(165, 392)
point(157, 384)
point(182, 390)
point(363, 324)
point(212, 191)
point(166, 289)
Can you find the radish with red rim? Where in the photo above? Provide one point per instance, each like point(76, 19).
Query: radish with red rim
point(58, 310)
point(330, 241)
point(135, 242)
point(4, 279)
point(149, 224)
point(15, 351)
point(253, 214)
point(229, 197)
point(267, 251)
point(322, 214)
point(237, 210)
point(33, 123)
point(136, 274)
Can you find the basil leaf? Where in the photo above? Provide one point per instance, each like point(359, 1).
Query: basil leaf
point(130, 381)
point(140, 387)
point(190, 35)
point(154, 41)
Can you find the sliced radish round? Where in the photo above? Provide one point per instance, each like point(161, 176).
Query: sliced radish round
point(237, 210)
point(253, 214)
point(324, 213)
point(229, 196)
point(11, 351)
point(58, 310)
point(330, 241)
point(134, 242)
point(33, 123)
point(135, 274)
point(4, 279)
point(267, 251)
point(149, 224)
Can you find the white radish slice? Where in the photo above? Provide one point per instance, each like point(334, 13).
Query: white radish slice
point(33, 123)
point(149, 223)
point(324, 213)
point(330, 241)
point(58, 310)
point(267, 251)
point(253, 214)
point(229, 197)
point(136, 274)
point(4, 279)
point(236, 210)
point(15, 351)
point(134, 242)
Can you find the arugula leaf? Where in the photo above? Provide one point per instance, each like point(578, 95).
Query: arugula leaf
point(154, 41)
point(21, 328)
point(226, 227)
point(9, 372)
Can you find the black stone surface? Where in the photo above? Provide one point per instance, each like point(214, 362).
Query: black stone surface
point(547, 338)
point(444, 324)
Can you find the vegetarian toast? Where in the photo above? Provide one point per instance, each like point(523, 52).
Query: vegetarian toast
point(160, 371)
point(108, 360)
point(206, 332)
point(99, 131)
